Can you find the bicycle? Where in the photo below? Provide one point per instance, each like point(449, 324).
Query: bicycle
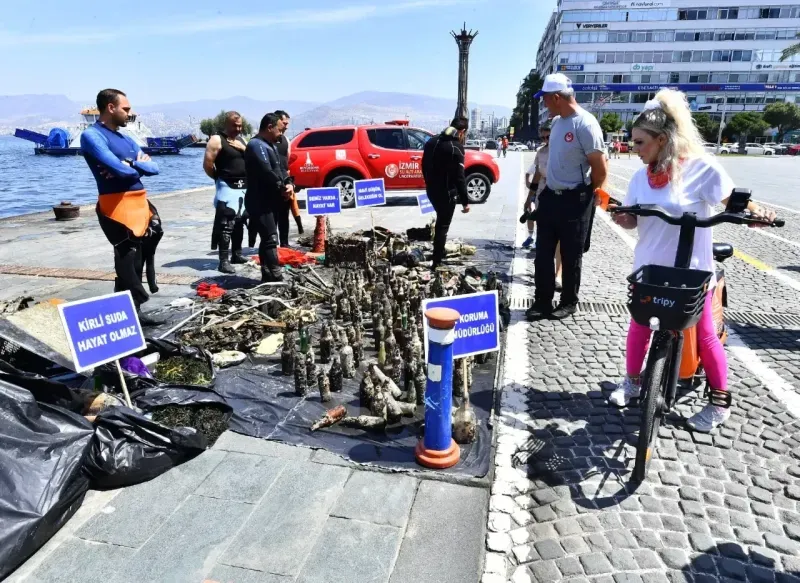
point(670, 300)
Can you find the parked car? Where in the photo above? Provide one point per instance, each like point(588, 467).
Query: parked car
point(779, 148)
point(712, 148)
point(753, 149)
point(517, 147)
point(473, 145)
point(338, 156)
point(490, 145)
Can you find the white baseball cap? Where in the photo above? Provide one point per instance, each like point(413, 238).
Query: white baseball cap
point(553, 83)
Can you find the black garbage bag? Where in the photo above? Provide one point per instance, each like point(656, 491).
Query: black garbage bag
point(44, 390)
point(166, 349)
point(178, 405)
point(411, 258)
point(42, 451)
point(128, 448)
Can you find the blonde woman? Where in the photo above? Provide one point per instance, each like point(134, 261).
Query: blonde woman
point(680, 177)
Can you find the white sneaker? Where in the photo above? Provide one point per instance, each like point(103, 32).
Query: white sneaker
point(625, 391)
point(708, 418)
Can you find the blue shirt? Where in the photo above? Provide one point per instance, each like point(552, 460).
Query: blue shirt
point(104, 150)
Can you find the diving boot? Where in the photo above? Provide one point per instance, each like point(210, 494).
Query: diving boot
point(237, 258)
point(271, 276)
point(225, 262)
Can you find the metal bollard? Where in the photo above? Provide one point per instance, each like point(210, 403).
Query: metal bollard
point(438, 449)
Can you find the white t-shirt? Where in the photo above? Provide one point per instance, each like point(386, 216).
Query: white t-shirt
point(704, 183)
point(540, 164)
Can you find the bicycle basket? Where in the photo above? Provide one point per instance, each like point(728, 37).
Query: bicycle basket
point(673, 295)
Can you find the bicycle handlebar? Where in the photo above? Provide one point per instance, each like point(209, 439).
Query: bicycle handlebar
point(652, 210)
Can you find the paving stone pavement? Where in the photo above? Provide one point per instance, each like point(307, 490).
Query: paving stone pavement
point(719, 507)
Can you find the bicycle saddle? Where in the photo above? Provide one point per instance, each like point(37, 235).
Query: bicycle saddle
point(722, 251)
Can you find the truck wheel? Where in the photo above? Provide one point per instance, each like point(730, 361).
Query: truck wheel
point(478, 187)
point(347, 188)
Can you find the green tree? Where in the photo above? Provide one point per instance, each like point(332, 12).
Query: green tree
point(791, 50)
point(629, 125)
point(707, 127)
point(214, 125)
point(611, 122)
point(785, 117)
point(525, 117)
point(746, 124)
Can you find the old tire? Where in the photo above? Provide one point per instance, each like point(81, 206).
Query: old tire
point(347, 188)
point(478, 187)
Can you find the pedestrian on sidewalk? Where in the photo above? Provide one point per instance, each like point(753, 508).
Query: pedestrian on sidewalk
point(128, 220)
point(681, 178)
point(576, 167)
point(224, 164)
point(268, 189)
point(505, 146)
point(499, 146)
point(445, 183)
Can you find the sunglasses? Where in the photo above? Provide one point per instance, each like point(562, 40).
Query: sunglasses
point(547, 137)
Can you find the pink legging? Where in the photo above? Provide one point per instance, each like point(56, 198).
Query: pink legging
point(711, 351)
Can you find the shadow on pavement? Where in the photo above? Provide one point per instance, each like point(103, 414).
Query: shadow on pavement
point(768, 338)
point(731, 561)
point(592, 453)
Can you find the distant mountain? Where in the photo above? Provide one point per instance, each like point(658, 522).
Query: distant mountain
point(42, 112)
point(252, 109)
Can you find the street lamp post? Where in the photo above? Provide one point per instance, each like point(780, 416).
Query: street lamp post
point(464, 40)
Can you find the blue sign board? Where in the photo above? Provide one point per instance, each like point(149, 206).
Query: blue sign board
point(323, 201)
point(685, 87)
point(570, 67)
point(425, 206)
point(370, 192)
point(101, 329)
point(478, 329)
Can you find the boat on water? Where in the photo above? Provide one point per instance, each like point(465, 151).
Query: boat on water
point(63, 142)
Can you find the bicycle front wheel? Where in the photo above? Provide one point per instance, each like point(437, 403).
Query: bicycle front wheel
point(654, 386)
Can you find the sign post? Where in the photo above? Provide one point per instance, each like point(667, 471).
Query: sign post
point(101, 330)
point(425, 206)
point(478, 327)
point(370, 192)
point(323, 201)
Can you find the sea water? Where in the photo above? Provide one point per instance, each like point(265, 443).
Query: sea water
point(31, 183)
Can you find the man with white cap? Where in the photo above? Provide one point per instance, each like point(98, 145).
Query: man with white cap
point(576, 168)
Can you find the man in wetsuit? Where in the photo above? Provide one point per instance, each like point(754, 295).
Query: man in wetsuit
point(443, 170)
point(268, 190)
point(291, 204)
point(128, 220)
point(224, 163)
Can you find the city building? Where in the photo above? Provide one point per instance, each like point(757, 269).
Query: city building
point(723, 55)
point(475, 118)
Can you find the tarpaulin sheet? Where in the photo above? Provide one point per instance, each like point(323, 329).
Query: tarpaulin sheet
point(265, 405)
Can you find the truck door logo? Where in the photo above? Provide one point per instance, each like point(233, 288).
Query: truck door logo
point(392, 170)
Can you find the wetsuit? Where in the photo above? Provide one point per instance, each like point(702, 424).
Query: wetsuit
point(282, 147)
point(445, 183)
point(264, 201)
point(231, 182)
point(129, 221)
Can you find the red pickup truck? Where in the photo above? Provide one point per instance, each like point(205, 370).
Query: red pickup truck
point(338, 156)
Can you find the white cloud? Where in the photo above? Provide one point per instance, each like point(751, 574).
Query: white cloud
point(287, 20)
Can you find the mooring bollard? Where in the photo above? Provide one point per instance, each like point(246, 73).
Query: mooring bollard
point(437, 449)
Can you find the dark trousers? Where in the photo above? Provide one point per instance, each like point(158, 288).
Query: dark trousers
point(283, 223)
point(129, 265)
point(444, 216)
point(563, 218)
point(267, 225)
point(228, 230)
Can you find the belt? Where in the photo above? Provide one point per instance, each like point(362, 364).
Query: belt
point(561, 192)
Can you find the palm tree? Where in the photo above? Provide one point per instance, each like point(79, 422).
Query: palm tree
point(526, 106)
point(791, 51)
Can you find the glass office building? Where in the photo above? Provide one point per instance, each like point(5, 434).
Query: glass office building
point(725, 56)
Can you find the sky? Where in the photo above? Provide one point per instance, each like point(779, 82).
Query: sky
point(312, 50)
